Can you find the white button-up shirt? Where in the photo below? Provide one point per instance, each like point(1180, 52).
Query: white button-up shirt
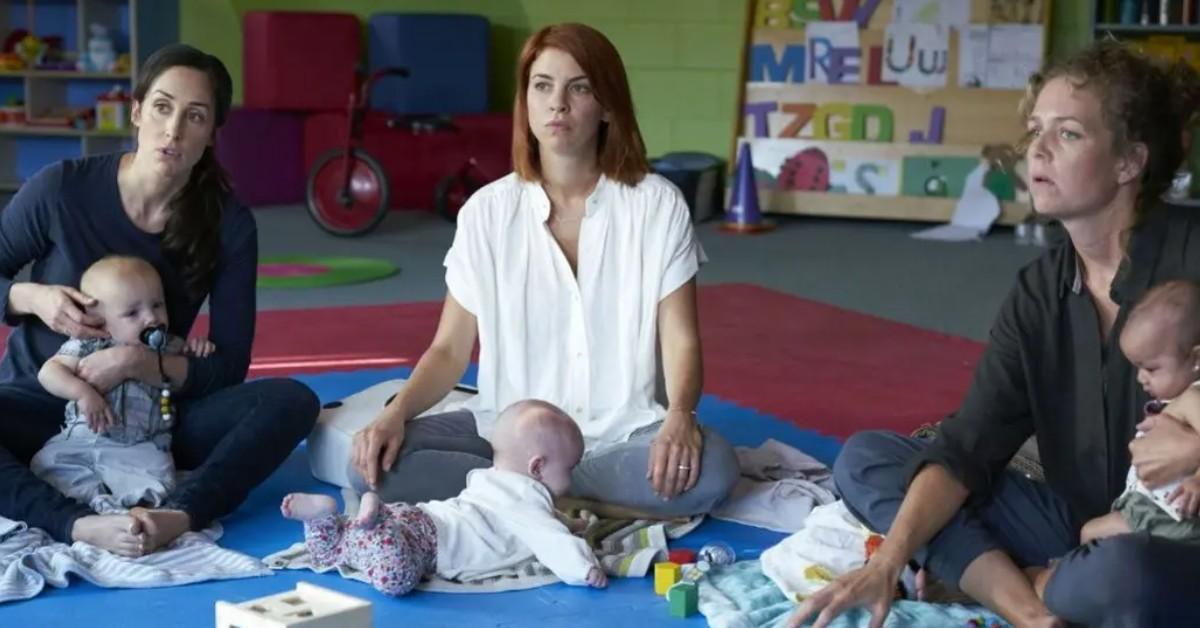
point(586, 343)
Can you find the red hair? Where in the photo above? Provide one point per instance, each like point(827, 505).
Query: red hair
point(620, 151)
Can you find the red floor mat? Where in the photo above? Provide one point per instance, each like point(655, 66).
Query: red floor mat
point(818, 366)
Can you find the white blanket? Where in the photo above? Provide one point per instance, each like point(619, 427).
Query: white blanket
point(779, 486)
point(30, 559)
point(831, 543)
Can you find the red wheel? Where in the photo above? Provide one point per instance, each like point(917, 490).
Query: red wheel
point(350, 212)
point(452, 193)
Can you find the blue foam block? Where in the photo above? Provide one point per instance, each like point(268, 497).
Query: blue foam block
point(446, 56)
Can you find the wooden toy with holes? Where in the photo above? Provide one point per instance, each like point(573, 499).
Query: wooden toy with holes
point(308, 605)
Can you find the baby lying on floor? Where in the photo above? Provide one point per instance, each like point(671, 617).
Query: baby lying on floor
point(505, 515)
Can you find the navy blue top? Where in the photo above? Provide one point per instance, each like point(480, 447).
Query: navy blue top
point(69, 215)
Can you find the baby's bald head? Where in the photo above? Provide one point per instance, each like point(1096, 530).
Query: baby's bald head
point(538, 439)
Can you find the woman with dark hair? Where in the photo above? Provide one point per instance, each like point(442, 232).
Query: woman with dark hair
point(573, 273)
point(168, 203)
point(1105, 131)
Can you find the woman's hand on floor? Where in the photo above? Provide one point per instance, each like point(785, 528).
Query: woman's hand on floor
point(376, 446)
point(871, 587)
point(674, 465)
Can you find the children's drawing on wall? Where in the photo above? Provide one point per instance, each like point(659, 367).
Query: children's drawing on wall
point(800, 166)
point(1020, 11)
point(916, 55)
point(942, 12)
point(973, 55)
point(833, 53)
point(991, 178)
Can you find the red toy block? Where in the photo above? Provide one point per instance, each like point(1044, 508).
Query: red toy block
point(682, 556)
point(299, 61)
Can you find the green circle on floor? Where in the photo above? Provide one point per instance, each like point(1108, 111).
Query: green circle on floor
point(310, 271)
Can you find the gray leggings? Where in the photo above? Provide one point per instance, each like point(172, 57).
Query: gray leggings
point(440, 449)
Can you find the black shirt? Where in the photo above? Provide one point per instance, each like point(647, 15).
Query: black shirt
point(1047, 370)
point(69, 215)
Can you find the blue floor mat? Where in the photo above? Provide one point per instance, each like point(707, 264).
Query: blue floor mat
point(258, 529)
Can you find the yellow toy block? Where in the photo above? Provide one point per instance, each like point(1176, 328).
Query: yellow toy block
point(665, 575)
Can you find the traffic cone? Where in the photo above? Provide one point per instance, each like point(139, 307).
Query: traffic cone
point(743, 215)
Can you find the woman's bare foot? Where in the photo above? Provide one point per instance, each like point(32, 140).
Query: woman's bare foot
point(368, 510)
point(119, 534)
point(1039, 576)
point(161, 526)
point(1048, 621)
point(305, 506)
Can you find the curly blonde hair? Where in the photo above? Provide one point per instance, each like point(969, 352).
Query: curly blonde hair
point(1142, 100)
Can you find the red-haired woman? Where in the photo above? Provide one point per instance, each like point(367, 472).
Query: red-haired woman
point(573, 272)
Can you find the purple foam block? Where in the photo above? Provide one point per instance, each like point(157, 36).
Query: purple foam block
point(262, 151)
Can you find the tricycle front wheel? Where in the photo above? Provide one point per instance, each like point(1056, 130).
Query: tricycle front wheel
point(347, 210)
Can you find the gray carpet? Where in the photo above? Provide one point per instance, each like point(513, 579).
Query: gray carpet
point(866, 266)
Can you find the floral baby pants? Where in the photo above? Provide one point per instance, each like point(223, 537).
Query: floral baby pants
point(395, 553)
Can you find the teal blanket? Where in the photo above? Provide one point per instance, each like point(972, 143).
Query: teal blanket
point(740, 596)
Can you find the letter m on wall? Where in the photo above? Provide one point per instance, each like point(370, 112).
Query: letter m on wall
point(766, 68)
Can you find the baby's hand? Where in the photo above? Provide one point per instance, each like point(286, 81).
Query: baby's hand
point(94, 407)
point(1187, 497)
point(577, 525)
point(199, 347)
point(597, 578)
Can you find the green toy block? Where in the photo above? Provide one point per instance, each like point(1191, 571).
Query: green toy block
point(682, 597)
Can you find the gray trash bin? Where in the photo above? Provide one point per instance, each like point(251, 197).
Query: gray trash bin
point(701, 178)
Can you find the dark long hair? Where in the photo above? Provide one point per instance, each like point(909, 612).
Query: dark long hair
point(192, 237)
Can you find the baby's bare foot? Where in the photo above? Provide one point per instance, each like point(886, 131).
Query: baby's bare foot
point(305, 506)
point(119, 534)
point(368, 511)
point(161, 526)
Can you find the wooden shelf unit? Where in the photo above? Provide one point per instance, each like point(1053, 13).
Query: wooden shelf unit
point(137, 27)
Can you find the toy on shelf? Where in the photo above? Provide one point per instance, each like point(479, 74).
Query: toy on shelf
point(112, 110)
point(30, 49)
point(60, 117)
point(308, 605)
point(11, 62)
point(85, 119)
point(101, 56)
point(54, 57)
point(124, 63)
point(13, 112)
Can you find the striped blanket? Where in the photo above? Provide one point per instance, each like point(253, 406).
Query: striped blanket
point(30, 559)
